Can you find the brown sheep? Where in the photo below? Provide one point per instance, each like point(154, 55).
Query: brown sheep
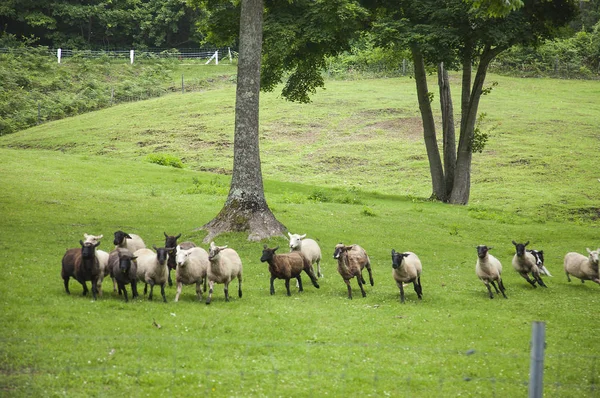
point(351, 261)
point(287, 266)
point(81, 264)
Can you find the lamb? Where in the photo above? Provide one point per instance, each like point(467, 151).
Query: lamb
point(81, 264)
point(407, 268)
point(123, 268)
point(582, 267)
point(192, 266)
point(127, 241)
point(152, 269)
point(351, 261)
point(286, 266)
point(489, 269)
point(171, 241)
point(309, 248)
point(92, 238)
point(524, 263)
point(225, 265)
point(539, 261)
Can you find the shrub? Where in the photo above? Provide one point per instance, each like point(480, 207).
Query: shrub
point(165, 160)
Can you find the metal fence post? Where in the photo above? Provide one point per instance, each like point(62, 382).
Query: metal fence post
point(536, 367)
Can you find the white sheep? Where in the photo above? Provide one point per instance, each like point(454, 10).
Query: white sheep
point(192, 266)
point(489, 270)
point(102, 257)
point(582, 267)
point(309, 247)
point(407, 268)
point(131, 242)
point(152, 269)
point(225, 265)
point(525, 263)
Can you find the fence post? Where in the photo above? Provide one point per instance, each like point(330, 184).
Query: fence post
point(59, 54)
point(403, 66)
point(131, 53)
point(229, 51)
point(536, 367)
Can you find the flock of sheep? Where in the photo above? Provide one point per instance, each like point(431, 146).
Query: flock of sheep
point(131, 262)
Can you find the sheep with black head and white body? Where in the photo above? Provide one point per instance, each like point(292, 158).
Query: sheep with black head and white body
point(489, 270)
point(407, 268)
point(525, 263)
point(152, 269)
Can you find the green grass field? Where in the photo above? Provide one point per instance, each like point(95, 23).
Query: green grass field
point(349, 167)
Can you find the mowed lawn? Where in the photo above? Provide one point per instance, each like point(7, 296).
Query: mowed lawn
point(349, 167)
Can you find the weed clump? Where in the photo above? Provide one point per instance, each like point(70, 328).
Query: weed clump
point(165, 160)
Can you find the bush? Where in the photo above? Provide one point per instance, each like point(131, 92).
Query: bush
point(165, 160)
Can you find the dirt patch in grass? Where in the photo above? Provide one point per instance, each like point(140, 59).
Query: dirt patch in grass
point(294, 132)
point(405, 128)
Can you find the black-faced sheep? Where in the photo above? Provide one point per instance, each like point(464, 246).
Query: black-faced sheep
point(407, 268)
point(171, 241)
point(287, 266)
point(123, 267)
point(225, 265)
point(351, 261)
point(309, 247)
point(192, 266)
point(131, 242)
point(81, 264)
point(524, 263)
point(489, 270)
point(582, 267)
point(152, 269)
point(539, 261)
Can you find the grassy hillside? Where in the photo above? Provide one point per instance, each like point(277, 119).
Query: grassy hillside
point(350, 167)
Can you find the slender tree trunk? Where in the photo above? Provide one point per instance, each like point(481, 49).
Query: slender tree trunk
point(462, 179)
point(246, 208)
point(435, 163)
point(449, 133)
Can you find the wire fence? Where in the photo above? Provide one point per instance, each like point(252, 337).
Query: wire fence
point(108, 365)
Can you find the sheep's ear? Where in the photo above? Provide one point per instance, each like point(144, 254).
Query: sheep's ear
point(178, 236)
point(514, 243)
point(97, 244)
point(154, 247)
point(166, 236)
point(490, 248)
point(86, 235)
point(212, 244)
point(303, 236)
point(127, 236)
point(276, 247)
point(348, 247)
point(393, 252)
point(223, 247)
point(134, 257)
point(526, 243)
point(290, 234)
point(81, 243)
point(588, 250)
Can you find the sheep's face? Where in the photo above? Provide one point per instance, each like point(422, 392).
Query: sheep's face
point(267, 254)
point(120, 236)
point(88, 250)
point(125, 262)
point(340, 249)
point(594, 256)
point(482, 251)
point(92, 238)
point(397, 259)
point(161, 254)
point(182, 256)
point(214, 251)
point(171, 241)
point(520, 247)
point(296, 241)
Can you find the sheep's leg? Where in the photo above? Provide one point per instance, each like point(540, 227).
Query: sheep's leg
point(162, 292)
point(66, 280)
point(226, 291)
point(539, 280)
point(502, 289)
point(299, 283)
point(114, 281)
point(85, 289)
point(362, 289)
point(134, 291)
point(495, 287)
point(349, 288)
point(487, 284)
point(312, 277)
point(527, 278)
point(211, 285)
point(169, 277)
point(287, 286)
point(401, 287)
point(568, 277)
point(94, 288)
point(272, 287)
point(370, 274)
point(122, 289)
point(240, 286)
point(199, 289)
point(319, 273)
point(362, 278)
point(418, 288)
point(151, 289)
point(179, 286)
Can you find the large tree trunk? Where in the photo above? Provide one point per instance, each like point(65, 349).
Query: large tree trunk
point(462, 180)
point(246, 208)
point(435, 163)
point(449, 133)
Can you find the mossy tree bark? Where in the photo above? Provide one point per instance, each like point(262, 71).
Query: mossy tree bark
point(246, 209)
